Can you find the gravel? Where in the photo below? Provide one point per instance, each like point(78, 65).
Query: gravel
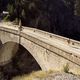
point(59, 76)
point(62, 76)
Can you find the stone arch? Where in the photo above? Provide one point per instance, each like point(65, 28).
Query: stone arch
point(28, 42)
point(20, 60)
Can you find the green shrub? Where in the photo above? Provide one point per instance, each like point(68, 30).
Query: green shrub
point(6, 18)
point(66, 68)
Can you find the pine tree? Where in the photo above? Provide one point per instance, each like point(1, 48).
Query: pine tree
point(0, 6)
point(77, 6)
point(71, 5)
point(10, 8)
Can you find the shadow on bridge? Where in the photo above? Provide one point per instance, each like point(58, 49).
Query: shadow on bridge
point(16, 60)
point(0, 44)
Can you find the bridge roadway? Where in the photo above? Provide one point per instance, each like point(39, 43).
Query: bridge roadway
point(49, 41)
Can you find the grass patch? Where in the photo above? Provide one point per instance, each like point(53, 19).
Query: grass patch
point(34, 75)
point(66, 68)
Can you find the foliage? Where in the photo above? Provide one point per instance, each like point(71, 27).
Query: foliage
point(0, 6)
point(6, 18)
point(10, 8)
point(66, 68)
point(49, 15)
point(71, 5)
point(78, 7)
point(39, 75)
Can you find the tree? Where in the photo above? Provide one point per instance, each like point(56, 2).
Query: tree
point(77, 6)
point(0, 6)
point(11, 9)
point(18, 8)
point(71, 5)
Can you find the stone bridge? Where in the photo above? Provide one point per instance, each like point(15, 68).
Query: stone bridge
point(51, 51)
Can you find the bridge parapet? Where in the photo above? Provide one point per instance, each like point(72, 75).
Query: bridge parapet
point(65, 40)
point(68, 52)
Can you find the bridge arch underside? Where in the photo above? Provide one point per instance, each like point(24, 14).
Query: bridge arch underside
point(15, 60)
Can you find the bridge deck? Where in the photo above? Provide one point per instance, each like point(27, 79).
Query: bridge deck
point(56, 42)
